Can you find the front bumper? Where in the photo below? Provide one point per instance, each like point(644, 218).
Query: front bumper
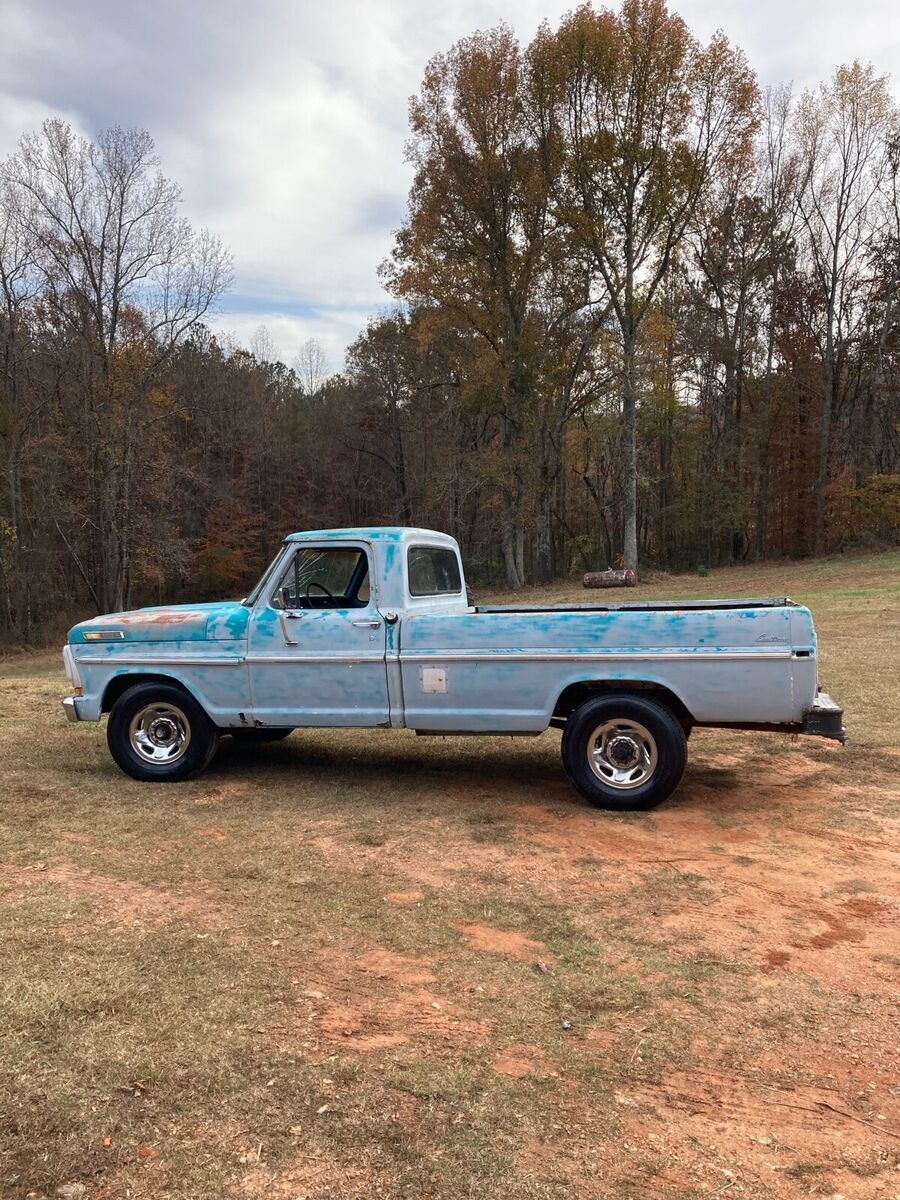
point(825, 719)
point(70, 708)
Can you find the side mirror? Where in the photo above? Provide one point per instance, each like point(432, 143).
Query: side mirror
point(285, 594)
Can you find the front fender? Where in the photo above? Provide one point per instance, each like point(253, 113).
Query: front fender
point(218, 681)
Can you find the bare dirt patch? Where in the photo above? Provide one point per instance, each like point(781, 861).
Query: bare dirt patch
point(510, 942)
point(520, 1061)
point(399, 968)
point(305, 1176)
point(120, 900)
point(379, 999)
point(409, 897)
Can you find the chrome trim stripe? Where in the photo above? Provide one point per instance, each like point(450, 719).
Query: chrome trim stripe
point(601, 656)
point(258, 660)
point(516, 656)
point(254, 660)
point(117, 660)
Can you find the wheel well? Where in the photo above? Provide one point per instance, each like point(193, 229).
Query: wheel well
point(120, 684)
point(577, 693)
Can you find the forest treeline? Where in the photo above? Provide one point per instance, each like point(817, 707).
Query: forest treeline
point(645, 313)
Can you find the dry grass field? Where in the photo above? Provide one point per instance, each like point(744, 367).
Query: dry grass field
point(363, 964)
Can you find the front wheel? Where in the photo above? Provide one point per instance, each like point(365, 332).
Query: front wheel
point(158, 733)
point(624, 752)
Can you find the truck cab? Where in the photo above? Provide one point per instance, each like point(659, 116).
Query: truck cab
point(323, 638)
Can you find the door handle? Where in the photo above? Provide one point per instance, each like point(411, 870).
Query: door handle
point(367, 624)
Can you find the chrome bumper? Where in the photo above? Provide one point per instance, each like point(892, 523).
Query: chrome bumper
point(825, 719)
point(70, 708)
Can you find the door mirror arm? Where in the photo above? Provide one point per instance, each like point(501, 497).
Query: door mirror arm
point(283, 617)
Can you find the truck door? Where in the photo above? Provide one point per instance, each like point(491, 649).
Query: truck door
point(316, 649)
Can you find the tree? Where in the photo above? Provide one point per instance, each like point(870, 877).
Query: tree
point(126, 278)
point(843, 130)
point(475, 241)
point(647, 117)
point(20, 406)
point(311, 366)
point(777, 176)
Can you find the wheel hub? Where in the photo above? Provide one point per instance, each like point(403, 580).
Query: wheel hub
point(163, 732)
point(622, 753)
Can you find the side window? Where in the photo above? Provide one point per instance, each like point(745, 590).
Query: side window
point(433, 571)
point(325, 577)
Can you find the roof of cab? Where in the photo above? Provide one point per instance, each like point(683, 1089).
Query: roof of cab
point(384, 533)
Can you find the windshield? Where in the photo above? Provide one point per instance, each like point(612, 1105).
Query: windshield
point(250, 600)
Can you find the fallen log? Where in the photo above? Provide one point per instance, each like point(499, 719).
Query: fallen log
point(608, 579)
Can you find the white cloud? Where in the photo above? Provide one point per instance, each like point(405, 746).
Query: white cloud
point(19, 114)
point(285, 122)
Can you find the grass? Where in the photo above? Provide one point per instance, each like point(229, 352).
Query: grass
point(355, 964)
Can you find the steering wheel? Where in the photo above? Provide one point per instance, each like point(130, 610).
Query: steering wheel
point(314, 583)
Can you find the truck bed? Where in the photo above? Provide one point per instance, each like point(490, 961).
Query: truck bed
point(642, 605)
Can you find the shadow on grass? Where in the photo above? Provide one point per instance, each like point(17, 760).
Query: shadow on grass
point(398, 768)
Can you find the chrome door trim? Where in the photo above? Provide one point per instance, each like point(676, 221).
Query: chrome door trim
point(116, 660)
point(262, 659)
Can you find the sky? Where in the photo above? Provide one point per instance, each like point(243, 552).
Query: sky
point(284, 121)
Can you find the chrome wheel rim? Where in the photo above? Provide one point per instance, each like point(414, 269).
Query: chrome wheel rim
point(622, 753)
point(159, 733)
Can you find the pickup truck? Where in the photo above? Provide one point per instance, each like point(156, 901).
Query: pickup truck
point(374, 628)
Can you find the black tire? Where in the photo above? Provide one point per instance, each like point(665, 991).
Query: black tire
point(252, 736)
point(647, 762)
point(147, 714)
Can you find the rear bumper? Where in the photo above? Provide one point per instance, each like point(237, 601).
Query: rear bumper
point(825, 719)
point(70, 708)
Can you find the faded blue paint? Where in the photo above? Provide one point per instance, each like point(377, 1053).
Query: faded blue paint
point(502, 670)
point(303, 683)
point(171, 623)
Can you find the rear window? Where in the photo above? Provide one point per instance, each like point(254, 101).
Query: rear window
point(433, 571)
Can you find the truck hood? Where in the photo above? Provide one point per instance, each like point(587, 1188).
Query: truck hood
point(218, 621)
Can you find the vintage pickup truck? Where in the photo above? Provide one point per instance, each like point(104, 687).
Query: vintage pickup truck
point(373, 628)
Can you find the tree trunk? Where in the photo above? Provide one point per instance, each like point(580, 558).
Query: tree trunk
point(400, 464)
point(629, 446)
point(828, 387)
point(726, 535)
point(512, 541)
point(762, 452)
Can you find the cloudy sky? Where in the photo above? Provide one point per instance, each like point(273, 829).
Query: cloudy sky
point(284, 120)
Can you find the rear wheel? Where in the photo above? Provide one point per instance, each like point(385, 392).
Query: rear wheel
point(624, 752)
point(158, 733)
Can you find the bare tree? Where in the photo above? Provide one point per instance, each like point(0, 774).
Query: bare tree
point(311, 365)
point(127, 277)
point(20, 405)
point(262, 345)
point(843, 130)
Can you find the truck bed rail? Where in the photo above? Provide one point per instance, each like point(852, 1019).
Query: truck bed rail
point(641, 605)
